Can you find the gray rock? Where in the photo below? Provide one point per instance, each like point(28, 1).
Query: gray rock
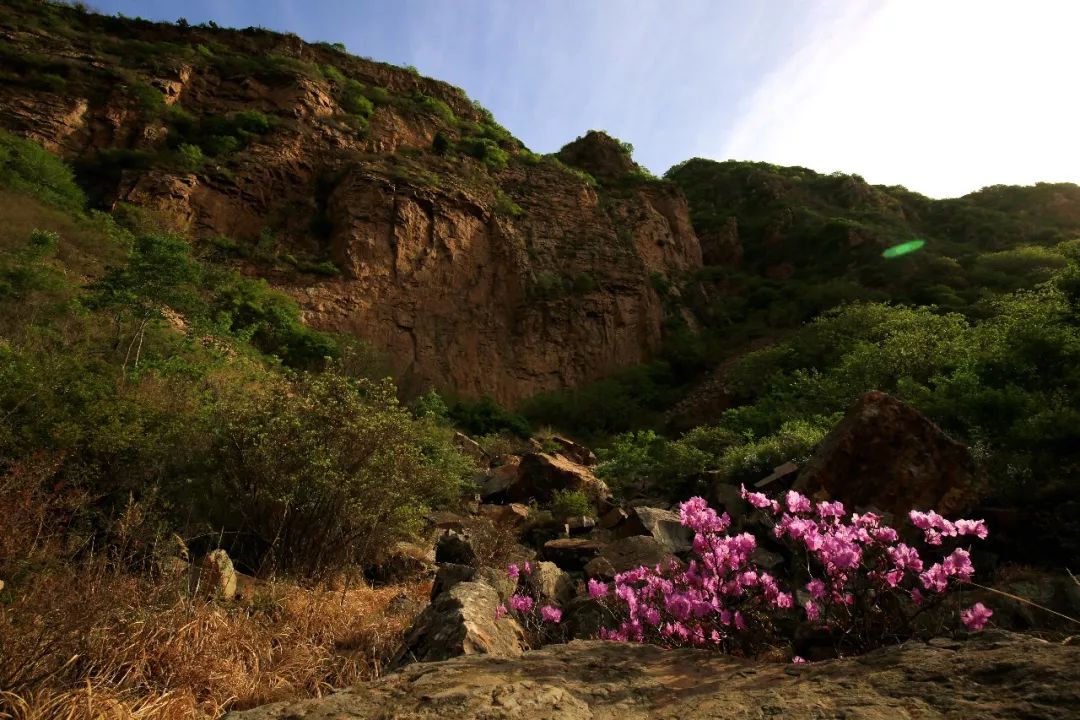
point(454, 547)
point(550, 584)
point(662, 525)
point(461, 621)
point(449, 575)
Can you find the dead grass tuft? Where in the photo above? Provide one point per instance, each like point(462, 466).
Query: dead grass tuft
point(92, 639)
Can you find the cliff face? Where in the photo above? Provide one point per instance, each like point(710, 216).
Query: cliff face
point(388, 204)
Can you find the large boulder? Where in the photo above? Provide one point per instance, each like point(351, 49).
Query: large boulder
point(664, 526)
point(633, 552)
point(887, 456)
point(461, 621)
point(540, 474)
point(993, 676)
point(500, 478)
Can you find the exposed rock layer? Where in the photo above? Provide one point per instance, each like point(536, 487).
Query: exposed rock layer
point(995, 675)
point(485, 279)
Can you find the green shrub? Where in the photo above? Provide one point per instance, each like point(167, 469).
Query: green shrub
point(571, 503)
point(270, 320)
point(27, 167)
point(329, 471)
point(485, 416)
point(355, 103)
point(504, 206)
point(434, 106)
point(487, 151)
point(190, 157)
point(146, 97)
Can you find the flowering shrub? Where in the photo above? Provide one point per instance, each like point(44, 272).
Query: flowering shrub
point(540, 621)
point(856, 586)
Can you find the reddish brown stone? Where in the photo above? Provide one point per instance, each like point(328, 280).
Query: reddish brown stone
point(888, 456)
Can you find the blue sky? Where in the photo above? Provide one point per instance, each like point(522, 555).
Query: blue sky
point(943, 96)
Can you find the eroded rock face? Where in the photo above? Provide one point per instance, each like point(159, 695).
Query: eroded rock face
point(994, 676)
point(457, 291)
point(888, 456)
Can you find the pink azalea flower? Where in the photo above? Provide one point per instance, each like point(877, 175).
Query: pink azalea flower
point(513, 571)
point(521, 603)
point(797, 503)
point(758, 500)
point(500, 612)
point(975, 617)
point(597, 589)
point(550, 614)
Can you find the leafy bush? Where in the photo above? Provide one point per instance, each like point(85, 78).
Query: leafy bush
point(27, 167)
point(271, 321)
point(191, 157)
point(328, 471)
point(487, 151)
point(571, 503)
point(485, 416)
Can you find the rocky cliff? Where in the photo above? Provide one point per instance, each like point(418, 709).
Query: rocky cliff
point(388, 204)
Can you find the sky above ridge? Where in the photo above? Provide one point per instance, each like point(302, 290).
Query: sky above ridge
point(942, 96)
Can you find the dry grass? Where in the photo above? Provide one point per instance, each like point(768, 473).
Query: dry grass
point(89, 639)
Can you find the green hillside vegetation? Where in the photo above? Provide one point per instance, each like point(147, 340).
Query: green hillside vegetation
point(135, 372)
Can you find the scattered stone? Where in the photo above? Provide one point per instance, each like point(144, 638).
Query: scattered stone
point(470, 447)
point(888, 456)
point(583, 617)
point(579, 525)
point(449, 575)
point(571, 553)
point(612, 518)
point(499, 480)
point(550, 584)
point(214, 576)
point(499, 579)
point(443, 520)
point(600, 568)
point(635, 551)
point(780, 472)
point(575, 451)
point(514, 514)
point(454, 547)
point(664, 526)
point(461, 621)
point(992, 676)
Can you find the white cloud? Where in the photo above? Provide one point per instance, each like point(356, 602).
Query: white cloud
point(943, 96)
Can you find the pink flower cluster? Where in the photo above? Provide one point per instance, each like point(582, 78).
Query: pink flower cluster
point(721, 596)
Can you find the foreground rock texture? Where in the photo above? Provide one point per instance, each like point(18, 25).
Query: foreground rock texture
point(994, 675)
point(471, 263)
point(887, 455)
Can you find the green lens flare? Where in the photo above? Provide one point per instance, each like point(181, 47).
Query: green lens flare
point(903, 248)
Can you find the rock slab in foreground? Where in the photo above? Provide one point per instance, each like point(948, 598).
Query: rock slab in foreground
point(996, 675)
point(461, 621)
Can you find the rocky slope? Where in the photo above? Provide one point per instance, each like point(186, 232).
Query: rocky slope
point(980, 678)
point(388, 204)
